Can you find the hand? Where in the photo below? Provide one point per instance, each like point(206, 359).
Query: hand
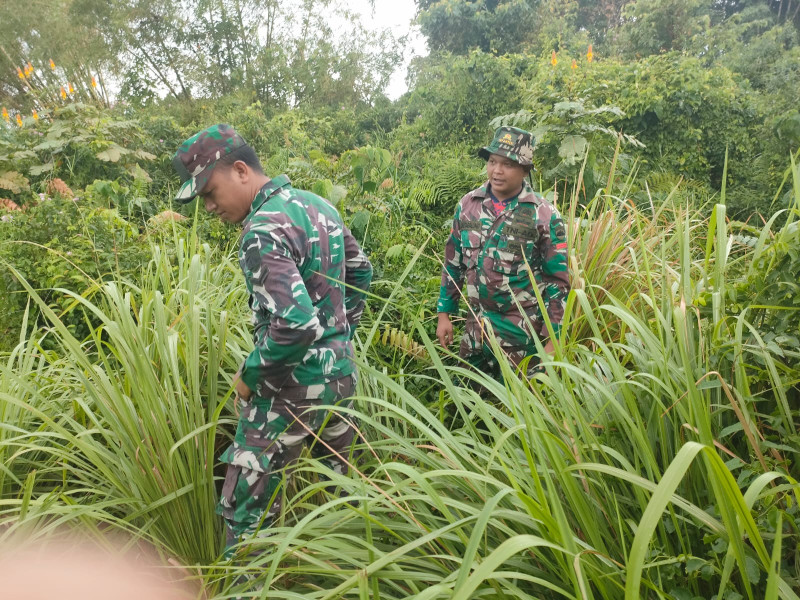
point(243, 393)
point(549, 349)
point(444, 330)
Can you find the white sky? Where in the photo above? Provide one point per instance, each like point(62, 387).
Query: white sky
point(395, 15)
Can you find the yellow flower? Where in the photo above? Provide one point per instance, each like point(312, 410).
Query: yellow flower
point(574, 64)
point(6, 118)
point(590, 54)
point(52, 65)
point(35, 115)
point(553, 59)
point(20, 74)
point(29, 69)
point(19, 120)
point(94, 82)
point(63, 93)
point(71, 89)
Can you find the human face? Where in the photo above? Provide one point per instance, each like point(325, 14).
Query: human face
point(505, 176)
point(227, 193)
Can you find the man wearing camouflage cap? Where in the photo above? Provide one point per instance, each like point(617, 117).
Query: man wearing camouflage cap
point(502, 233)
point(307, 278)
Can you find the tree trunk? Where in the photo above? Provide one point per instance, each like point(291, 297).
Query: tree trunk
point(175, 70)
point(228, 43)
point(247, 57)
point(157, 71)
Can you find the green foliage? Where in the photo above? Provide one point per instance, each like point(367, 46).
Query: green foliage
point(632, 455)
point(61, 245)
point(655, 26)
point(686, 116)
point(144, 395)
point(655, 452)
point(459, 26)
point(572, 138)
point(444, 177)
point(370, 166)
point(763, 308)
point(79, 143)
point(280, 52)
point(128, 201)
point(455, 97)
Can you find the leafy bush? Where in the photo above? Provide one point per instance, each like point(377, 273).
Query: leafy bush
point(455, 97)
point(687, 117)
point(59, 245)
point(79, 143)
point(574, 140)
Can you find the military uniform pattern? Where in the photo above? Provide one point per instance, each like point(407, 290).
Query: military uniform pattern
point(513, 143)
point(495, 255)
point(307, 279)
point(269, 438)
point(196, 157)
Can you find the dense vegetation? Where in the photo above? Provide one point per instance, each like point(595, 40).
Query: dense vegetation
point(654, 456)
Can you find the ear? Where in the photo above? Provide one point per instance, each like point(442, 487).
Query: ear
point(241, 171)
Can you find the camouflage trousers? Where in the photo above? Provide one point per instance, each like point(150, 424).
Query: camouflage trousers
point(512, 336)
point(269, 438)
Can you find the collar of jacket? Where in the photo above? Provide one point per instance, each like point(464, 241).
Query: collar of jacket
point(270, 188)
point(526, 195)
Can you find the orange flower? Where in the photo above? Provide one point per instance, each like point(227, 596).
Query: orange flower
point(29, 69)
point(553, 59)
point(35, 115)
point(63, 93)
point(19, 120)
point(6, 118)
point(52, 65)
point(590, 54)
point(20, 74)
point(94, 82)
point(70, 88)
point(574, 64)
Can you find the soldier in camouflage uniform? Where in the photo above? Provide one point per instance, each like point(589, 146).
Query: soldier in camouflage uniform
point(307, 278)
point(502, 233)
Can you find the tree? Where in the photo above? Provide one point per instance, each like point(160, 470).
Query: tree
point(47, 30)
point(316, 53)
point(655, 26)
point(459, 26)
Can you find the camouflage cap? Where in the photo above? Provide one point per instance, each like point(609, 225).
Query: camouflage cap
point(511, 142)
point(195, 159)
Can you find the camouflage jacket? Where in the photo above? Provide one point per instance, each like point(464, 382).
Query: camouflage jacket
point(491, 253)
point(307, 278)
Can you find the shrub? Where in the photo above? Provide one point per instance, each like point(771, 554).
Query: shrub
point(61, 244)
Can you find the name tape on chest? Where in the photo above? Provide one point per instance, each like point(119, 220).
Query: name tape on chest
point(476, 225)
point(523, 231)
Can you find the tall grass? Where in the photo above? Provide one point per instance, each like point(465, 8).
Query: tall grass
point(633, 465)
point(618, 472)
point(146, 389)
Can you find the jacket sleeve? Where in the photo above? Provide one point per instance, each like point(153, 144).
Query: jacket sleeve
point(555, 272)
point(452, 271)
point(358, 277)
point(275, 281)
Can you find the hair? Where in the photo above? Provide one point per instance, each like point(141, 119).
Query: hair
point(246, 154)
